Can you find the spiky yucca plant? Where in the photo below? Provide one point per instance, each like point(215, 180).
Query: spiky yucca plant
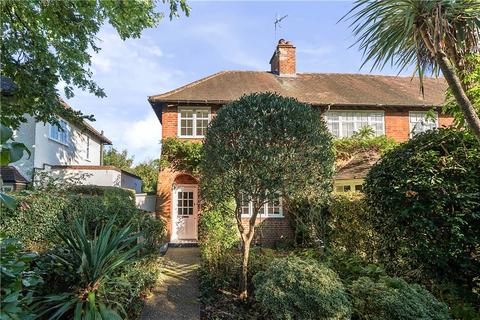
point(95, 261)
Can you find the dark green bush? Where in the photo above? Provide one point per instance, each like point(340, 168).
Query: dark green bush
point(44, 212)
point(218, 239)
point(394, 299)
point(347, 223)
point(425, 197)
point(18, 281)
point(292, 288)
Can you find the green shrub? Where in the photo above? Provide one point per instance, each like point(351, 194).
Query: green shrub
point(350, 266)
point(106, 191)
point(425, 200)
point(218, 234)
point(394, 299)
point(347, 225)
point(141, 276)
point(18, 281)
point(292, 288)
point(153, 230)
point(45, 212)
point(94, 261)
point(218, 238)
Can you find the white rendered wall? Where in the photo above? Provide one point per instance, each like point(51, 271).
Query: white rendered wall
point(52, 152)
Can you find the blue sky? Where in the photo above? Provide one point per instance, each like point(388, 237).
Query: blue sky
point(217, 36)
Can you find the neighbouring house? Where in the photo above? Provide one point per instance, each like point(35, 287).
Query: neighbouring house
point(67, 153)
point(390, 105)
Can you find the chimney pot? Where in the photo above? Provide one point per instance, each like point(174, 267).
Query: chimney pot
point(283, 61)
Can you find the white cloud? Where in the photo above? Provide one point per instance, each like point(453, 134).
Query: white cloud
point(230, 46)
point(317, 52)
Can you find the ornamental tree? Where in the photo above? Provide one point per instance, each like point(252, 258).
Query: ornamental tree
point(259, 147)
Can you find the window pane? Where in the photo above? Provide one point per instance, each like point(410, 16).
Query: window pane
point(358, 188)
point(346, 188)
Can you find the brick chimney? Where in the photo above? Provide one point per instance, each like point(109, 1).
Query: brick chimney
point(283, 60)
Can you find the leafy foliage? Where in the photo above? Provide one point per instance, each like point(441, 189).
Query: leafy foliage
point(218, 235)
point(45, 43)
point(431, 35)
point(260, 146)
point(425, 200)
point(403, 32)
point(348, 228)
point(393, 298)
point(18, 281)
point(44, 212)
point(148, 171)
point(360, 142)
point(294, 288)
point(471, 81)
point(94, 262)
point(9, 152)
point(179, 155)
point(121, 160)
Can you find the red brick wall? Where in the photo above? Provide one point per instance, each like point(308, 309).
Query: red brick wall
point(269, 231)
point(284, 59)
point(397, 125)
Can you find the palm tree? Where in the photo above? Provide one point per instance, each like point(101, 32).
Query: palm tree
point(430, 34)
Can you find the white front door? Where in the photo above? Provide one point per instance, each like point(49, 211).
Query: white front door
point(184, 222)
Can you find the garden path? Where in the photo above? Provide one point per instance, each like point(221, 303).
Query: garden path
point(176, 296)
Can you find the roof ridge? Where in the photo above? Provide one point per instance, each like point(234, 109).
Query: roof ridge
point(188, 85)
point(367, 74)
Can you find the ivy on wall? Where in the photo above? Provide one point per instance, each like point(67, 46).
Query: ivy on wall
point(181, 155)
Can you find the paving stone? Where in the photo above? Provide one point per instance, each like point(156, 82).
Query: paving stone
point(177, 295)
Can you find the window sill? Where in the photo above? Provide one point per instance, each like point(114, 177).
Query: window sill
point(190, 137)
point(263, 217)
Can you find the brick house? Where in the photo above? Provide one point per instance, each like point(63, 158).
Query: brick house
point(390, 105)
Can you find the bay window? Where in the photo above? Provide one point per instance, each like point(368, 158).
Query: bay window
point(193, 121)
point(343, 124)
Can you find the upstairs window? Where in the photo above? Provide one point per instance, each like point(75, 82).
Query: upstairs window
point(87, 150)
point(343, 124)
point(60, 135)
point(419, 122)
point(193, 122)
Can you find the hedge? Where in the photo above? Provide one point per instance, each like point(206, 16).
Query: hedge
point(40, 214)
point(348, 228)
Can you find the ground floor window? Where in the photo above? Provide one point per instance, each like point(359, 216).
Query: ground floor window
point(355, 185)
point(7, 188)
point(271, 209)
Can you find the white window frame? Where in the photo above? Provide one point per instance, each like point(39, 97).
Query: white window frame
point(87, 148)
point(66, 131)
point(194, 121)
point(265, 213)
point(7, 188)
point(411, 124)
point(355, 127)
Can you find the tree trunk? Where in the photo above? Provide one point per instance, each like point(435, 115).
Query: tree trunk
point(455, 85)
point(244, 273)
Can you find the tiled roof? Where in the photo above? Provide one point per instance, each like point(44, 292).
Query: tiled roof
point(11, 174)
point(314, 88)
point(358, 166)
